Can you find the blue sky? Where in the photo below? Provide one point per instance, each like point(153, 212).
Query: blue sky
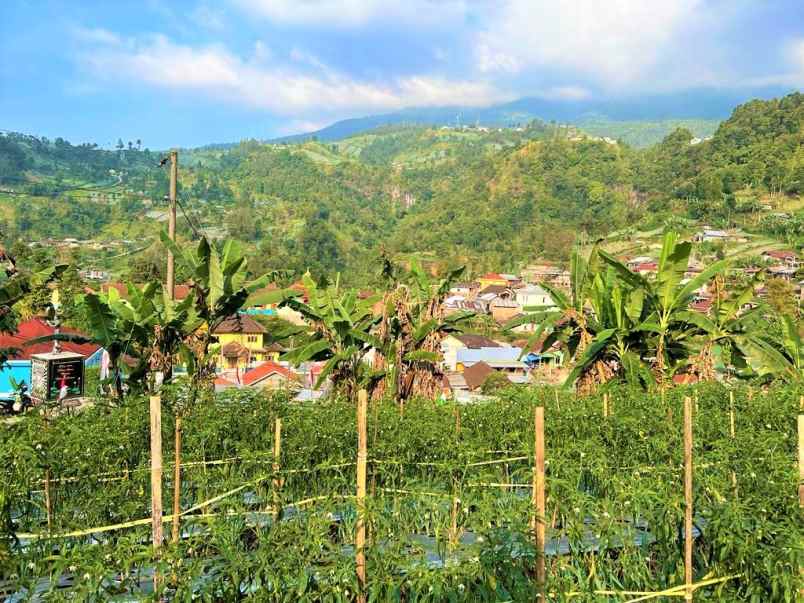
point(193, 72)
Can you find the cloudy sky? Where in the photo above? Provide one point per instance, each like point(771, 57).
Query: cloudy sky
point(197, 71)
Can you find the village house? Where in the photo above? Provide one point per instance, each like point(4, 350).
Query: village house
point(788, 258)
point(533, 296)
point(633, 263)
point(504, 359)
point(711, 236)
point(547, 272)
point(503, 309)
point(787, 273)
point(467, 289)
point(242, 343)
point(452, 343)
point(266, 375)
point(475, 375)
point(492, 278)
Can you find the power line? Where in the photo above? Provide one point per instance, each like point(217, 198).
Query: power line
point(187, 218)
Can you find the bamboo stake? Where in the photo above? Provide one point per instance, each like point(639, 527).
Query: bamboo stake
point(276, 483)
point(48, 506)
point(801, 460)
point(176, 478)
point(453, 524)
point(156, 478)
point(605, 405)
point(360, 526)
point(688, 498)
point(733, 434)
point(732, 430)
point(457, 420)
point(558, 404)
point(538, 520)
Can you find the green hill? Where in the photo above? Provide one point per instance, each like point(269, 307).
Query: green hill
point(489, 197)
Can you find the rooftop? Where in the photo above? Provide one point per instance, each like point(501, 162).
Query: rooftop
point(239, 323)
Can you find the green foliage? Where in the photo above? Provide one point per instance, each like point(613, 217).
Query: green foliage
point(610, 482)
point(494, 383)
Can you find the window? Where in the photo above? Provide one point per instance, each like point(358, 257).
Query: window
point(251, 338)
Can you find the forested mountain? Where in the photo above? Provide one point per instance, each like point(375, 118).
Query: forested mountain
point(639, 121)
point(489, 197)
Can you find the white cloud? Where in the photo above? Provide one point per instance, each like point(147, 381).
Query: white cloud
point(96, 35)
point(793, 55)
point(300, 126)
point(610, 42)
point(290, 90)
point(572, 93)
point(208, 18)
point(353, 13)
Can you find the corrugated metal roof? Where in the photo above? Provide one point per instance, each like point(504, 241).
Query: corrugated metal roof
point(470, 356)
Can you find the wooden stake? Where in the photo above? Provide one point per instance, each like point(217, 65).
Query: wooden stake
point(176, 478)
point(453, 524)
point(688, 498)
point(360, 526)
point(801, 460)
point(156, 478)
point(277, 483)
point(457, 420)
point(605, 405)
point(733, 434)
point(732, 430)
point(48, 505)
point(558, 404)
point(538, 525)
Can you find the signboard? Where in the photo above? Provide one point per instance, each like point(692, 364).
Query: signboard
point(55, 376)
point(68, 375)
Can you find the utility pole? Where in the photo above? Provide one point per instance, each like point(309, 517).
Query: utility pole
point(174, 174)
point(155, 407)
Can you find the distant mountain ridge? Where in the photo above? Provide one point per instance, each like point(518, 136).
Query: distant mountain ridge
point(697, 104)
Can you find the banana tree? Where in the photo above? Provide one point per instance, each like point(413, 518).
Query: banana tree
point(341, 336)
point(574, 322)
point(566, 323)
point(616, 314)
point(667, 298)
point(218, 289)
point(779, 356)
point(123, 327)
point(412, 328)
point(729, 326)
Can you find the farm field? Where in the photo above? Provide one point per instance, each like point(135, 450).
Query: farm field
point(449, 506)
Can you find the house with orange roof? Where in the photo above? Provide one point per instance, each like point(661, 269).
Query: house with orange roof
point(492, 278)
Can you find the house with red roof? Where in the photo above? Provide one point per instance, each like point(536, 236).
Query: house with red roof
point(266, 375)
point(788, 258)
point(36, 328)
point(19, 364)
